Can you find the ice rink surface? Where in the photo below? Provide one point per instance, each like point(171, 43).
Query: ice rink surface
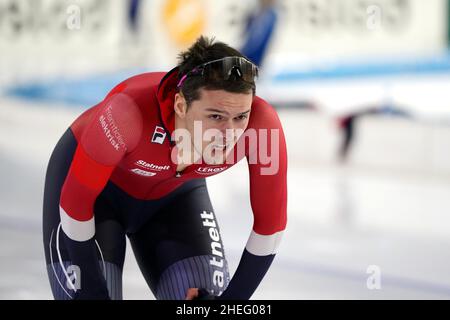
point(342, 219)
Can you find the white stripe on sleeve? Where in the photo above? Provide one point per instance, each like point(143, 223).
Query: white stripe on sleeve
point(263, 245)
point(77, 230)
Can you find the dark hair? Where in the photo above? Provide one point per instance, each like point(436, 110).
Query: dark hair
point(202, 51)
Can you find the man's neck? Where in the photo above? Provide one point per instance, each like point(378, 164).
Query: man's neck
point(182, 162)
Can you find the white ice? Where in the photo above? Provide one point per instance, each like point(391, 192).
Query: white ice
point(341, 218)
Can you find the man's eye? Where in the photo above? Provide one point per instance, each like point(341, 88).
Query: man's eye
point(242, 117)
point(215, 117)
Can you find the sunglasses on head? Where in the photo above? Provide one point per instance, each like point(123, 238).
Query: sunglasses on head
point(224, 69)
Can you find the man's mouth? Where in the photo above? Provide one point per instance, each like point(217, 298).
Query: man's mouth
point(220, 146)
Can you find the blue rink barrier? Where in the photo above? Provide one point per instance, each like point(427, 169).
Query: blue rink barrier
point(92, 89)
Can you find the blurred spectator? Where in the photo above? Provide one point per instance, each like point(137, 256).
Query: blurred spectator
point(133, 14)
point(259, 30)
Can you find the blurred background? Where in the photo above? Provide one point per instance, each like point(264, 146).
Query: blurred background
point(362, 88)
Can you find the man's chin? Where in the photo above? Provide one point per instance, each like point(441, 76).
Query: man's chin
point(215, 157)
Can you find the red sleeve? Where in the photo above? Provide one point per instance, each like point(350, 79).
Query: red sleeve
point(268, 183)
point(114, 130)
point(267, 161)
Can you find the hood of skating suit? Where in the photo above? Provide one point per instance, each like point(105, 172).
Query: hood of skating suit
point(166, 95)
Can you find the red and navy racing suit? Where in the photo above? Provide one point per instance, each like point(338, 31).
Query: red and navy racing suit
point(111, 176)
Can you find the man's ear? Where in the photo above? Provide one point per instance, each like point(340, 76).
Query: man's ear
point(180, 105)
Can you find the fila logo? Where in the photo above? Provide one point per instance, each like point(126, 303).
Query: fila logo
point(158, 135)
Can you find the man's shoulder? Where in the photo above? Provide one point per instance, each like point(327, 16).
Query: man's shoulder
point(263, 114)
point(137, 84)
point(262, 105)
point(152, 78)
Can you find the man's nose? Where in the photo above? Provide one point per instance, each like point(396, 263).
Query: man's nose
point(228, 133)
point(229, 125)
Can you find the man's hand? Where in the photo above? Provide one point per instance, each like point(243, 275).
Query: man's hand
point(199, 294)
point(192, 293)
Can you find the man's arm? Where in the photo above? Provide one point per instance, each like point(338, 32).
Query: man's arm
point(113, 131)
point(268, 195)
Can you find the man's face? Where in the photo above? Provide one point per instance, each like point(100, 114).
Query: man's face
point(217, 111)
